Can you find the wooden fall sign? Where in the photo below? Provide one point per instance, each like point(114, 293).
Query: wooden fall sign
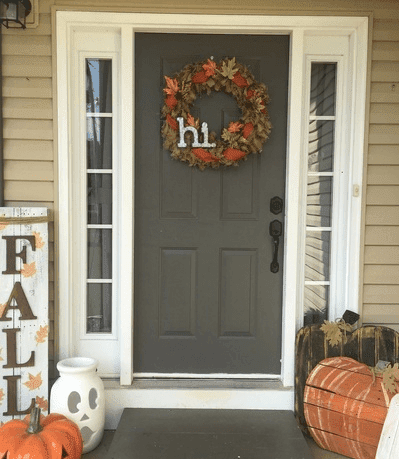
point(24, 322)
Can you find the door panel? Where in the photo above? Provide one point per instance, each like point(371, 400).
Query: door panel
point(205, 299)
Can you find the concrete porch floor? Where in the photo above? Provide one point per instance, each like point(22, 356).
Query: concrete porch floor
point(101, 451)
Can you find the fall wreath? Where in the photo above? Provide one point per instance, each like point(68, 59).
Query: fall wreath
point(239, 139)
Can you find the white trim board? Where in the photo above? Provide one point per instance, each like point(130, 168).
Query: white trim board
point(316, 36)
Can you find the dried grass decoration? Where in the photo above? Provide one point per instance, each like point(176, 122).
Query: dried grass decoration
point(237, 140)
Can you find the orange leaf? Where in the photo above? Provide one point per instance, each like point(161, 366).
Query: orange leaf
point(38, 240)
point(1, 395)
point(42, 403)
point(248, 128)
point(234, 127)
point(209, 68)
point(41, 334)
point(172, 86)
point(2, 307)
point(172, 122)
point(233, 154)
point(1, 358)
point(29, 270)
point(200, 77)
point(34, 381)
point(204, 155)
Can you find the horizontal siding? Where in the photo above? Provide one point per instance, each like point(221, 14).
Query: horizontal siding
point(381, 257)
point(35, 171)
point(388, 255)
point(28, 108)
point(20, 149)
point(23, 87)
point(28, 130)
point(21, 45)
point(382, 215)
point(383, 154)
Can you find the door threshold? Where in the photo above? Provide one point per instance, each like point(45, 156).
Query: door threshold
point(195, 394)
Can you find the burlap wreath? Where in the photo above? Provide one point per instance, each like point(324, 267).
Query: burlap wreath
point(237, 140)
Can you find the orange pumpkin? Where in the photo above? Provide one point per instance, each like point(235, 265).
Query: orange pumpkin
point(55, 437)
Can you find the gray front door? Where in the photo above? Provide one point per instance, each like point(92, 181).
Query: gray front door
point(205, 299)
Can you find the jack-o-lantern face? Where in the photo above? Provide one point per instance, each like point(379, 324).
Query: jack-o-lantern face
point(82, 411)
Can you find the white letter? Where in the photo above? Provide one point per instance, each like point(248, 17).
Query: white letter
point(183, 130)
point(206, 144)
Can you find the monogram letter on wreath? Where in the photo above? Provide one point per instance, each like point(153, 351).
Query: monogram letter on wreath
point(181, 130)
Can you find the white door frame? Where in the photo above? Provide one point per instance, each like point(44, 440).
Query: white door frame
point(309, 36)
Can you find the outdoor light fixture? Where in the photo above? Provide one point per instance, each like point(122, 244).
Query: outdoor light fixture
point(14, 12)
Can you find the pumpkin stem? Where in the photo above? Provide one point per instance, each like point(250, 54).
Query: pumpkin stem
point(34, 422)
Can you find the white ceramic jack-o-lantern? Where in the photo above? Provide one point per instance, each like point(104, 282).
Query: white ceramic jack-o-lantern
point(79, 395)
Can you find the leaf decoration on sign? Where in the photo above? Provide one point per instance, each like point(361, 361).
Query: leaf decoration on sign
point(38, 240)
point(42, 403)
point(29, 270)
point(34, 381)
point(2, 307)
point(333, 331)
point(41, 334)
point(1, 396)
point(3, 225)
point(1, 358)
point(229, 69)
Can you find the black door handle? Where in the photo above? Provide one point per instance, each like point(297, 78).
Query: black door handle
point(275, 231)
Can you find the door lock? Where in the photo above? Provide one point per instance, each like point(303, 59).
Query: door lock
point(275, 231)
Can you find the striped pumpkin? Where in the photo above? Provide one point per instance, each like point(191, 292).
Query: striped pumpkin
point(345, 407)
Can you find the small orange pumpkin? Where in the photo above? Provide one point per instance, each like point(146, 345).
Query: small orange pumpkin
point(56, 437)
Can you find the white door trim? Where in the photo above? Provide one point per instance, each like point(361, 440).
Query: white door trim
point(303, 31)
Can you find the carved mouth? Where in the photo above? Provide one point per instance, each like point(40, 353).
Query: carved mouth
point(87, 433)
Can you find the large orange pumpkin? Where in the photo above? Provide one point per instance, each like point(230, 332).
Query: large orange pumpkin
point(51, 437)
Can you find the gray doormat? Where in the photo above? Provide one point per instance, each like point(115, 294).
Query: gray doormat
point(208, 434)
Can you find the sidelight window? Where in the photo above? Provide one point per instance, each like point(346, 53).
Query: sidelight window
point(319, 196)
point(99, 195)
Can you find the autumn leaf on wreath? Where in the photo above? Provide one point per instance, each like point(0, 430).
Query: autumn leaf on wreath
point(235, 126)
point(29, 270)
point(42, 403)
point(38, 240)
point(172, 86)
point(228, 69)
point(191, 121)
point(41, 334)
point(34, 381)
point(210, 68)
point(1, 396)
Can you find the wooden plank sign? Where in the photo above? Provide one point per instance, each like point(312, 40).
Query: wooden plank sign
point(24, 323)
point(388, 447)
point(345, 407)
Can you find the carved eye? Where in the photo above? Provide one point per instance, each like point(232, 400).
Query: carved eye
point(93, 398)
point(73, 400)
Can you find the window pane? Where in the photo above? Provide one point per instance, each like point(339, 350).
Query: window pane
point(99, 85)
point(99, 254)
point(99, 308)
point(99, 198)
point(317, 256)
point(316, 304)
point(322, 93)
point(319, 201)
point(321, 146)
point(99, 143)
